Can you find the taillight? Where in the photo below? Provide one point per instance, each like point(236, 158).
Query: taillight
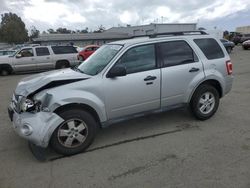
point(229, 67)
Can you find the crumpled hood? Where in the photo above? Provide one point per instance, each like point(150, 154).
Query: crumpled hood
point(49, 79)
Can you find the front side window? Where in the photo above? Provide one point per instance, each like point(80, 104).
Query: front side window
point(176, 53)
point(138, 59)
point(210, 48)
point(43, 51)
point(28, 52)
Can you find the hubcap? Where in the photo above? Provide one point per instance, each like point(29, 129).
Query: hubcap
point(206, 103)
point(72, 133)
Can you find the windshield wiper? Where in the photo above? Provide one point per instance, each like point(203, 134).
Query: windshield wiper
point(77, 69)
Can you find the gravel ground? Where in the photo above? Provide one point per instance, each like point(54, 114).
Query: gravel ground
point(171, 149)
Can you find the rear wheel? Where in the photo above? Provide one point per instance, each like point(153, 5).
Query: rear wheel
point(62, 64)
point(205, 102)
point(75, 134)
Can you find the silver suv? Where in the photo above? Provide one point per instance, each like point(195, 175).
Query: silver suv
point(121, 80)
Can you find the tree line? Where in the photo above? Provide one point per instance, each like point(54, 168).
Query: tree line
point(13, 30)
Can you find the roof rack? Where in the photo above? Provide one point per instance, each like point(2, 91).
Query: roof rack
point(197, 32)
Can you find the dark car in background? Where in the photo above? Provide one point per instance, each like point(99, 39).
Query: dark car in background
point(240, 38)
point(228, 45)
point(246, 45)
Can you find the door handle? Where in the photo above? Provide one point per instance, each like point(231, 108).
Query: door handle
point(150, 78)
point(194, 69)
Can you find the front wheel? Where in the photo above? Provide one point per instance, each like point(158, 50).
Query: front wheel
point(205, 102)
point(75, 134)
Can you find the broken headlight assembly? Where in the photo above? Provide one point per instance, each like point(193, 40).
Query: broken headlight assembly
point(28, 105)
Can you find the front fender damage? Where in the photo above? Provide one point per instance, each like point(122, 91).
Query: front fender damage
point(42, 124)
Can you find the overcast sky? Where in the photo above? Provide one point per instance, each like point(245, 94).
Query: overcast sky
point(78, 14)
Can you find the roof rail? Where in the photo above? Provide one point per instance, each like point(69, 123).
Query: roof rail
point(196, 32)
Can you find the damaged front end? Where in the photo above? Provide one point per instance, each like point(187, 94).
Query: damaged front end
point(30, 106)
point(33, 120)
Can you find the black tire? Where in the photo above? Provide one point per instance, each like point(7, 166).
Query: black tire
point(62, 64)
point(229, 50)
point(58, 143)
point(198, 96)
point(245, 48)
point(5, 70)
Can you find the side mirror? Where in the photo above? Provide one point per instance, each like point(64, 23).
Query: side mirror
point(117, 71)
point(18, 55)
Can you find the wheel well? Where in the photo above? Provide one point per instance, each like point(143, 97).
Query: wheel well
point(215, 84)
point(62, 61)
point(79, 106)
point(6, 67)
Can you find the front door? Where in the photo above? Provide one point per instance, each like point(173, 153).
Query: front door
point(24, 60)
point(139, 90)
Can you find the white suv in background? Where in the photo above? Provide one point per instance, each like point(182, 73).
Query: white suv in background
point(39, 58)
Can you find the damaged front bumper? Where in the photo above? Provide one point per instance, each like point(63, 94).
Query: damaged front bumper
point(35, 127)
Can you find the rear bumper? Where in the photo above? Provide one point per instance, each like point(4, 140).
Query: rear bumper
point(228, 84)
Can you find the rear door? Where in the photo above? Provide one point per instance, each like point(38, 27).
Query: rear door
point(43, 59)
point(181, 71)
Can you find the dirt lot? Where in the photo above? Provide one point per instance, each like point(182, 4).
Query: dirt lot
point(164, 150)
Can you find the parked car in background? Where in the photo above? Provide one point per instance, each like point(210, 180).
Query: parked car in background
point(228, 45)
point(246, 45)
point(240, 38)
point(39, 58)
point(122, 80)
point(244, 38)
point(6, 52)
point(87, 51)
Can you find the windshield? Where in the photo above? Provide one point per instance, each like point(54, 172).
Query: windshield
point(100, 59)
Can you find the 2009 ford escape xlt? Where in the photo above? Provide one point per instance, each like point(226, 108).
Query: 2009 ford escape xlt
point(122, 79)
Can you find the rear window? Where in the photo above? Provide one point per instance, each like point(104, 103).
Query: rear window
point(42, 51)
point(64, 49)
point(210, 48)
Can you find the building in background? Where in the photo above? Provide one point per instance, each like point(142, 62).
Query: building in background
point(80, 39)
point(243, 29)
point(153, 28)
point(112, 34)
point(4, 46)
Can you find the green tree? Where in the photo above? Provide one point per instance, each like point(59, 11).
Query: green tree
point(34, 33)
point(13, 29)
point(63, 30)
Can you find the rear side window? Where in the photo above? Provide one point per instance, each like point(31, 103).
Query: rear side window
point(42, 51)
point(64, 49)
point(210, 48)
point(176, 53)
